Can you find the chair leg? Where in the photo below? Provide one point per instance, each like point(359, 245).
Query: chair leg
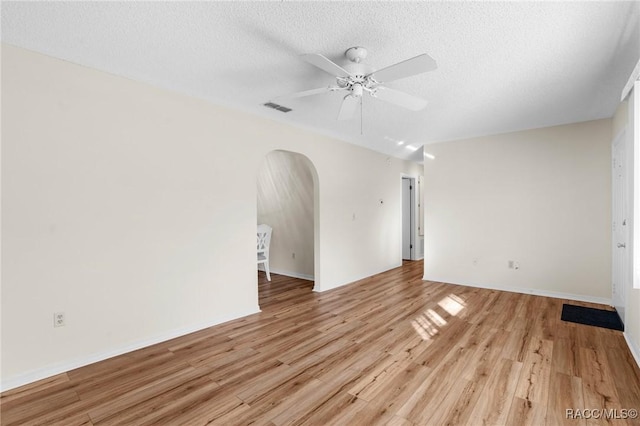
point(266, 269)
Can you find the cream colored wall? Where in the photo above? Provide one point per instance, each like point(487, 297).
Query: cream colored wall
point(540, 197)
point(285, 202)
point(133, 210)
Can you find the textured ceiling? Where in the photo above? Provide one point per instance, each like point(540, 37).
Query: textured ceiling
point(501, 66)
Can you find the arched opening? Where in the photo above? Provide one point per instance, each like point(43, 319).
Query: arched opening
point(287, 201)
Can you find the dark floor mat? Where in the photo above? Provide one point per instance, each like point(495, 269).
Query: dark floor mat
point(590, 316)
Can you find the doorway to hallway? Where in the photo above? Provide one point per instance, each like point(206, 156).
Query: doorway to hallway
point(408, 218)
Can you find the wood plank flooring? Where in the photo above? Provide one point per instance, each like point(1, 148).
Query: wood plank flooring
point(390, 350)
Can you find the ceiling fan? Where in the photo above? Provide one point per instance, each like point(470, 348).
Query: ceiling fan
point(356, 78)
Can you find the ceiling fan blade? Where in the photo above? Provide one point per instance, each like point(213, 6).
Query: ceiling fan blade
point(348, 108)
point(400, 98)
point(326, 64)
point(418, 65)
point(306, 93)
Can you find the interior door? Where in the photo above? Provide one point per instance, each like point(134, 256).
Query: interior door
point(620, 225)
point(407, 243)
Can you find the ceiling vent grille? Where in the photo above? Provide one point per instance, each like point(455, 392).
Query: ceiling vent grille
point(276, 106)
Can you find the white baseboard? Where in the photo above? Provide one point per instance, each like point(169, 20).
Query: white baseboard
point(358, 278)
point(293, 274)
point(288, 273)
point(532, 291)
point(62, 367)
point(635, 351)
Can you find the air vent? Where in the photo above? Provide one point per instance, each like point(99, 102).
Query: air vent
point(276, 106)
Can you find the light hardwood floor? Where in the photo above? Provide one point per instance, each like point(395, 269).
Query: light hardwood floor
point(390, 349)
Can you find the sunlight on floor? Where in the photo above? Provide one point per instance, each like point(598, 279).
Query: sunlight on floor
point(452, 304)
point(425, 328)
point(435, 318)
point(429, 323)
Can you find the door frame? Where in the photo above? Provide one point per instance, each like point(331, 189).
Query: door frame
point(620, 271)
point(414, 252)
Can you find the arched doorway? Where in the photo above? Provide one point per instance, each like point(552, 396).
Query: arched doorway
point(287, 200)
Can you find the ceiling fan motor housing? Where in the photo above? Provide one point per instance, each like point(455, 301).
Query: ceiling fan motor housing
point(359, 80)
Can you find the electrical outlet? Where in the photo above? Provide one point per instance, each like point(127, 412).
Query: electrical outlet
point(59, 319)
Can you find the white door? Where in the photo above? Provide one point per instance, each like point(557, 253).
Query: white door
point(620, 226)
point(407, 241)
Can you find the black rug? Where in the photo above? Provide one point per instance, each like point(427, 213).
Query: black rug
point(591, 316)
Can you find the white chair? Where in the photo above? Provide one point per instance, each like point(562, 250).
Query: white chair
point(264, 239)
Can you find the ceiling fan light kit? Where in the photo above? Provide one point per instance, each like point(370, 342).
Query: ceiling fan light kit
point(356, 78)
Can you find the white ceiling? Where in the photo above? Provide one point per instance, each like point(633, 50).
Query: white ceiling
point(501, 66)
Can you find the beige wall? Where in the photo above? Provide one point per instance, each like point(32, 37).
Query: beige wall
point(540, 197)
point(133, 210)
point(286, 203)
